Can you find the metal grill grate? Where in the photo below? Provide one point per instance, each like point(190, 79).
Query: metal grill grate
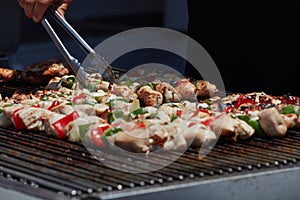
point(68, 169)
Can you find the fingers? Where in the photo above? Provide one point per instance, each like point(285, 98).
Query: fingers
point(28, 6)
point(62, 6)
point(39, 10)
point(21, 3)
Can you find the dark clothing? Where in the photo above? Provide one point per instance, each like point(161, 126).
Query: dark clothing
point(254, 43)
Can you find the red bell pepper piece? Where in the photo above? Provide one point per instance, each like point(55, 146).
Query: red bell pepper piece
point(78, 97)
point(179, 113)
point(203, 110)
point(54, 103)
point(241, 100)
point(207, 122)
point(19, 124)
point(63, 122)
point(196, 113)
point(36, 105)
point(192, 124)
point(229, 109)
point(97, 133)
point(140, 125)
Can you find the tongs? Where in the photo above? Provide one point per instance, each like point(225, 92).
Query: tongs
point(96, 61)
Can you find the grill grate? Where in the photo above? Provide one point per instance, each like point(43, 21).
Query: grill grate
point(68, 170)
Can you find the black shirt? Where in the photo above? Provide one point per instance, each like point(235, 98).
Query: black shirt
point(254, 43)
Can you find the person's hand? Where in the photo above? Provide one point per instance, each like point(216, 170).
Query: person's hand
point(36, 9)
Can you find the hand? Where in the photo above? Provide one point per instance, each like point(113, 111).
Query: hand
point(36, 9)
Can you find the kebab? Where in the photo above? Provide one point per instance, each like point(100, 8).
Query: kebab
point(142, 117)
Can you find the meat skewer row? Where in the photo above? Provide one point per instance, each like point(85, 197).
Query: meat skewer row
point(166, 121)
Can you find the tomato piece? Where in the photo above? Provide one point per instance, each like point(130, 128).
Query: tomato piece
point(63, 122)
point(54, 103)
point(140, 125)
point(19, 124)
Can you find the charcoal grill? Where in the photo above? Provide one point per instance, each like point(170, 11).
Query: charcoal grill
point(36, 166)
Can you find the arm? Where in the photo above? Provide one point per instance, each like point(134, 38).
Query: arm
point(36, 9)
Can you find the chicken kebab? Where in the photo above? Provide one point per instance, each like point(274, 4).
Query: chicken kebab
point(143, 117)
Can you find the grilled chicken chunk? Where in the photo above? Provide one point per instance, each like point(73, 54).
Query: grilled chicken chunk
point(34, 118)
point(63, 109)
point(125, 91)
point(231, 128)
point(5, 122)
point(103, 85)
point(186, 89)
point(205, 90)
point(136, 140)
point(174, 140)
point(149, 96)
point(170, 94)
point(199, 135)
point(224, 125)
point(272, 122)
point(85, 110)
point(243, 129)
point(49, 129)
point(9, 110)
point(169, 137)
point(291, 120)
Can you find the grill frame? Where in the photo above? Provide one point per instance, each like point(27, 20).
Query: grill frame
point(65, 170)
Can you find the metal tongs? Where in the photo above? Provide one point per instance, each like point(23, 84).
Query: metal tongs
point(95, 60)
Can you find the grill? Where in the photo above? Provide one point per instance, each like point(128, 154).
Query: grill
point(35, 165)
